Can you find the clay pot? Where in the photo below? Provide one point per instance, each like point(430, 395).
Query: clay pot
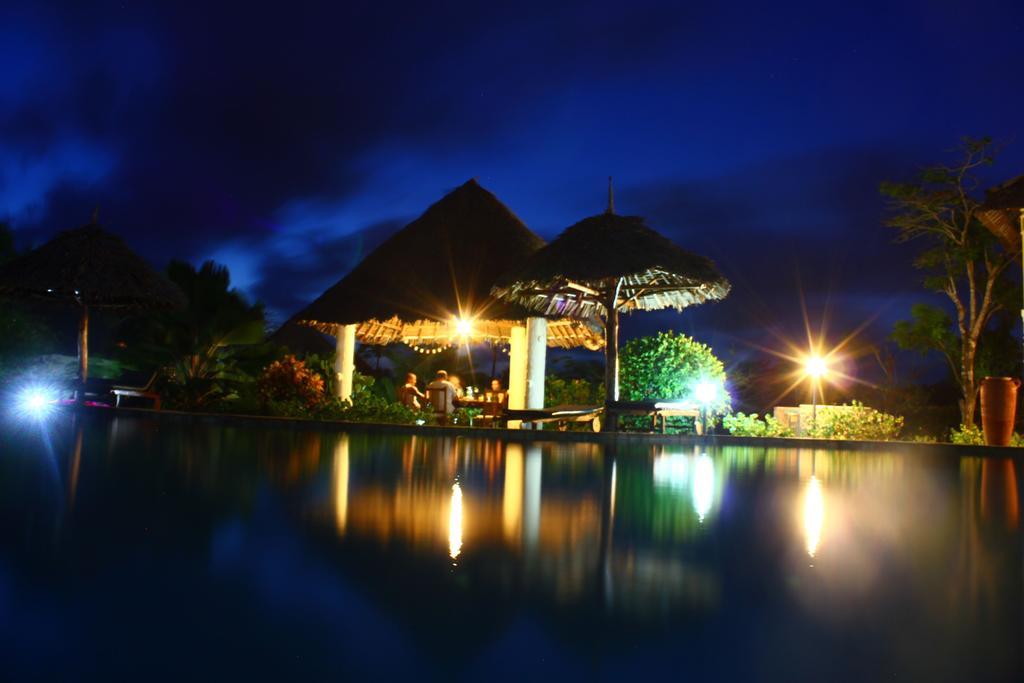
point(998, 409)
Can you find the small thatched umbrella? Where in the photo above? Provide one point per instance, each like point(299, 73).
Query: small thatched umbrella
point(606, 264)
point(1003, 214)
point(93, 269)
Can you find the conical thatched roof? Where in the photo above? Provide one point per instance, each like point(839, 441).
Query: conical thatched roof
point(1001, 212)
point(567, 276)
point(92, 267)
point(438, 268)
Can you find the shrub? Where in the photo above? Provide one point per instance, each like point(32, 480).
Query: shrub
point(289, 380)
point(739, 424)
point(671, 366)
point(970, 435)
point(856, 421)
point(572, 392)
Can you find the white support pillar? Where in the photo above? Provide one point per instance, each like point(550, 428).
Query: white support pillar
point(344, 360)
point(517, 372)
point(536, 356)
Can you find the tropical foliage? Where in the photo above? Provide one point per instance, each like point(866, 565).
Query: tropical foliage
point(208, 347)
point(739, 424)
point(289, 379)
point(960, 259)
point(855, 421)
point(671, 366)
point(572, 392)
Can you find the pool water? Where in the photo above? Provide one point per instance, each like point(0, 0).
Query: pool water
point(138, 549)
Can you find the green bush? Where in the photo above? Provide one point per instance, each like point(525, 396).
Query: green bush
point(970, 435)
point(572, 392)
point(668, 366)
point(856, 421)
point(739, 424)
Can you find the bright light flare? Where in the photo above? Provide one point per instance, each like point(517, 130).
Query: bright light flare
point(463, 327)
point(705, 392)
point(35, 402)
point(815, 366)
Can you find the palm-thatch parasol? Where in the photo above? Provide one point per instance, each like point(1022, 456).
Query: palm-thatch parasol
point(94, 269)
point(606, 264)
point(430, 282)
point(1002, 213)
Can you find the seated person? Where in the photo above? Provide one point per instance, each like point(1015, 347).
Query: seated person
point(408, 394)
point(497, 393)
point(457, 383)
point(441, 394)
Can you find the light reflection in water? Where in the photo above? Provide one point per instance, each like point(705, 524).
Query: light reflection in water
point(703, 486)
point(814, 515)
point(455, 522)
point(341, 467)
point(512, 499)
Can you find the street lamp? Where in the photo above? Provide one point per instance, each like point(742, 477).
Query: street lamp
point(815, 367)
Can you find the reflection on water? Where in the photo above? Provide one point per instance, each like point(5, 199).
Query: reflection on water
point(814, 514)
point(455, 522)
point(916, 560)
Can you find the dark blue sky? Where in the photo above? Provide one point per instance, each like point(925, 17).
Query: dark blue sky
point(284, 142)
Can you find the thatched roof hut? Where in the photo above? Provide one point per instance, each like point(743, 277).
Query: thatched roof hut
point(93, 269)
point(607, 264)
point(425, 282)
point(1001, 213)
point(607, 251)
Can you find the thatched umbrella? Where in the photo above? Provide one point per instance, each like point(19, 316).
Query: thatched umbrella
point(93, 269)
point(437, 272)
point(1003, 214)
point(606, 264)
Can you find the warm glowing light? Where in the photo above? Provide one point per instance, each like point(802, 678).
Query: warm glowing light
point(455, 522)
point(703, 486)
point(341, 468)
point(463, 327)
point(814, 515)
point(815, 366)
point(705, 392)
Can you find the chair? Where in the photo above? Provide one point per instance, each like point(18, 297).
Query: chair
point(493, 412)
point(145, 391)
point(438, 399)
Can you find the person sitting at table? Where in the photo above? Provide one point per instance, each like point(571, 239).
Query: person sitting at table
point(441, 394)
point(408, 394)
point(457, 383)
point(498, 394)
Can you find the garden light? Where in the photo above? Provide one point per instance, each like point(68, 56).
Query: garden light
point(705, 392)
point(35, 402)
point(815, 366)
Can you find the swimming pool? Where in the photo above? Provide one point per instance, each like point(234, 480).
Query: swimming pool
point(135, 548)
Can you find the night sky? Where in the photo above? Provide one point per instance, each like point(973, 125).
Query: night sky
point(286, 141)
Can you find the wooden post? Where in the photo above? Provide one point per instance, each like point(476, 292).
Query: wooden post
point(611, 360)
point(83, 351)
point(611, 370)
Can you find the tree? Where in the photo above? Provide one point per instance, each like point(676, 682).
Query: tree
point(960, 258)
point(670, 366)
point(24, 333)
point(199, 346)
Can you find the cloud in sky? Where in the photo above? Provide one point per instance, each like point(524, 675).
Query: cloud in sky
point(288, 143)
